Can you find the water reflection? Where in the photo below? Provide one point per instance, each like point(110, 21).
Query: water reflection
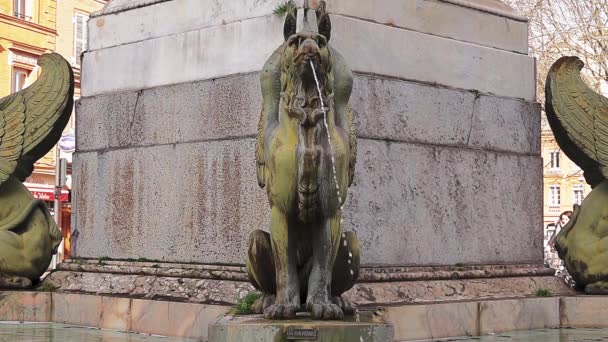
point(53, 332)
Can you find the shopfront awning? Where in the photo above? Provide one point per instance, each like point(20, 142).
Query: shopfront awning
point(47, 193)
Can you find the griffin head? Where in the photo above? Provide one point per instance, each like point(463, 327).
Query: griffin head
point(305, 47)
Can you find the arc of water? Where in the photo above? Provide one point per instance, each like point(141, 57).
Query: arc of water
point(333, 162)
point(331, 147)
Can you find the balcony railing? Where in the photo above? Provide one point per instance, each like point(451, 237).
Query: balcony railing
point(23, 16)
point(554, 208)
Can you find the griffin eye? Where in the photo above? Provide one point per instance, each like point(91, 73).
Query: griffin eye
point(294, 41)
point(321, 41)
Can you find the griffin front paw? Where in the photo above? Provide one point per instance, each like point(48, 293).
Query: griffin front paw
point(325, 311)
point(262, 304)
point(280, 311)
point(347, 307)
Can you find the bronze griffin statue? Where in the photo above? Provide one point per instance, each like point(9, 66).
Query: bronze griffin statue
point(31, 123)
point(579, 119)
point(306, 150)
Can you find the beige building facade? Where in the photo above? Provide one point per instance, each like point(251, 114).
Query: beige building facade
point(564, 182)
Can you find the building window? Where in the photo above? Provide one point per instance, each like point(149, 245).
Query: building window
point(554, 198)
point(579, 194)
point(80, 35)
point(22, 9)
point(19, 79)
point(555, 160)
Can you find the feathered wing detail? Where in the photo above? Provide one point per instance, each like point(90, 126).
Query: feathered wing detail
point(343, 87)
point(49, 102)
point(259, 151)
point(43, 110)
point(352, 137)
point(579, 118)
point(270, 81)
point(12, 128)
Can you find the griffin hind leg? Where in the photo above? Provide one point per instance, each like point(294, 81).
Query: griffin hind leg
point(326, 240)
point(284, 250)
point(597, 288)
point(346, 271)
point(260, 268)
point(14, 282)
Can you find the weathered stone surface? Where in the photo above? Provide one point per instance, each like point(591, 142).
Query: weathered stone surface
point(378, 286)
point(229, 108)
point(205, 110)
point(416, 56)
point(418, 322)
point(151, 20)
point(505, 125)
point(25, 306)
point(369, 328)
point(443, 196)
point(239, 273)
point(441, 18)
point(424, 291)
point(396, 110)
point(186, 202)
point(584, 312)
point(91, 311)
point(196, 55)
point(148, 20)
point(206, 291)
point(473, 206)
point(513, 315)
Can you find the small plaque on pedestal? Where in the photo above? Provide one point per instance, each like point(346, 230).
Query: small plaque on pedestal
point(365, 326)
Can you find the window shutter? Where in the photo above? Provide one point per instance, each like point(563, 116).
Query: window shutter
point(80, 36)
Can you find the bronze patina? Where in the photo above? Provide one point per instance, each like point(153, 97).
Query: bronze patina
point(306, 262)
point(31, 123)
point(579, 119)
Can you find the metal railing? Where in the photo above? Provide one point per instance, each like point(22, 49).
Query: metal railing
point(23, 16)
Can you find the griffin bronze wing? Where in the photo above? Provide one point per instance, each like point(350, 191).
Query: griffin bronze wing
point(579, 118)
point(31, 120)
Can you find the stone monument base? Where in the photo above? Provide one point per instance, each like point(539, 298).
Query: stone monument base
point(377, 286)
point(365, 327)
point(411, 322)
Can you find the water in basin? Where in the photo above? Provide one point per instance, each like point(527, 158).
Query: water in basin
point(545, 335)
point(54, 332)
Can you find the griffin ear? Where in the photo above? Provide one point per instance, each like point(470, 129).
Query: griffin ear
point(290, 26)
point(324, 23)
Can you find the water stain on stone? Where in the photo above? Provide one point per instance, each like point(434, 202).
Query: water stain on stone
point(121, 204)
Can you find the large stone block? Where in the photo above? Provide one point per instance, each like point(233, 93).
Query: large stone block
point(385, 108)
point(199, 201)
point(188, 112)
point(425, 322)
point(390, 109)
point(584, 312)
point(421, 204)
point(450, 20)
point(206, 53)
point(91, 311)
point(390, 51)
point(518, 314)
point(217, 51)
point(184, 320)
point(25, 306)
point(127, 25)
point(192, 202)
point(130, 22)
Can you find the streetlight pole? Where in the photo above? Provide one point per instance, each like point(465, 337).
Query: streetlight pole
point(56, 209)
